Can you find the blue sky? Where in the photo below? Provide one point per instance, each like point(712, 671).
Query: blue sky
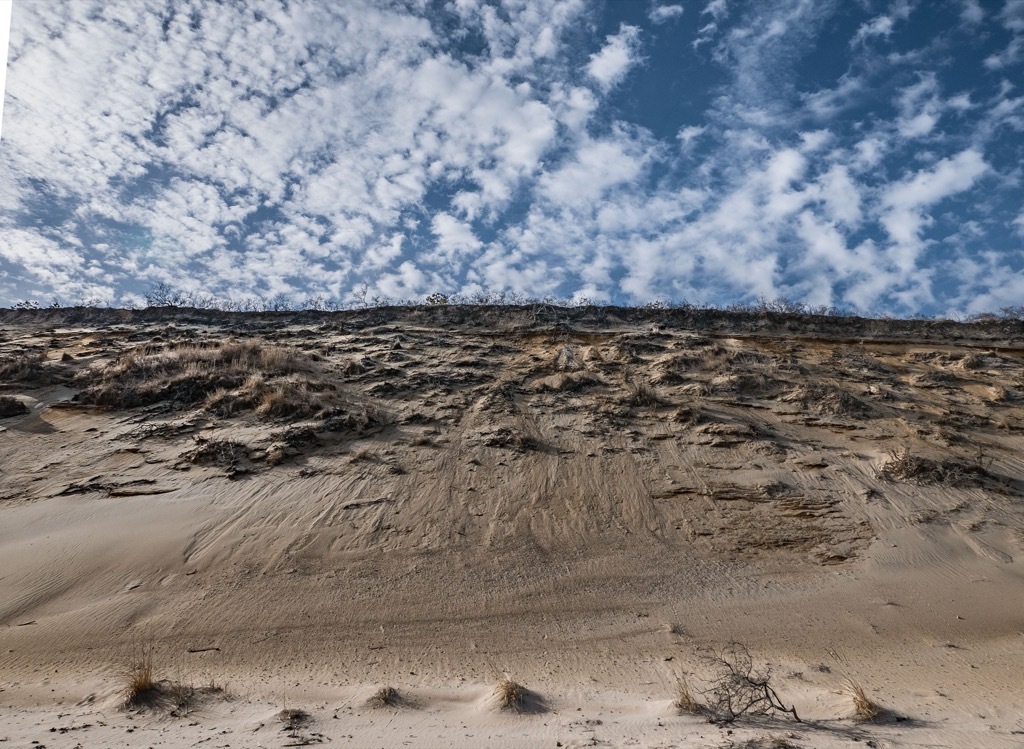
point(863, 153)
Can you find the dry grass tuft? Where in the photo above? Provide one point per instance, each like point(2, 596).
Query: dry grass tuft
point(864, 708)
point(642, 393)
point(387, 697)
point(685, 702)
point(510, 695)
point(293, 717)
point(142, 688)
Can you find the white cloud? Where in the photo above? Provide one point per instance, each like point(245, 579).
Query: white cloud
point(921, 107)
point(454, 238)
point(1012, 15)
point(904, 203)
point(717, 9)
point(598, 166)
point(1018, 224)
point(883, 25)
point(972, 12)
point(620, 53)
point(878, 26)
point(311, 147)
point(664, 13)
point(841, 195)
point(689, 134)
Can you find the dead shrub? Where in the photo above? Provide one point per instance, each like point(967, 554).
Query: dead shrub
point(212, 452)
point(353, 420)
point(908, 467)
point(514, 439)
point(826, 399)
point(292, 400)
point(736, 688)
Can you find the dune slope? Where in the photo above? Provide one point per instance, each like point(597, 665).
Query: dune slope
point(308, 507)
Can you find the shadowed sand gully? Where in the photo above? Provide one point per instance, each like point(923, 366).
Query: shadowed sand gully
point(292, 512)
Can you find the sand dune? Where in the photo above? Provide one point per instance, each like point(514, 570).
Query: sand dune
point(301, 509)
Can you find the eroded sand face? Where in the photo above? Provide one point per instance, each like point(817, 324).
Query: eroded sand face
point(430, 500)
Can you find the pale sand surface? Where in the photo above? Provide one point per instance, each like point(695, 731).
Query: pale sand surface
point(582, 502)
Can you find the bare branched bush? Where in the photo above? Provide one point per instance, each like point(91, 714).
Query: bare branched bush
point(213, 452)
point(736, 688)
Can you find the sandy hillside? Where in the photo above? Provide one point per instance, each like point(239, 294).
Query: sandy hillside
point(289, 512)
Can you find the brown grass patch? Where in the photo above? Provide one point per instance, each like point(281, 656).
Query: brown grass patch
point(11, 407)
point(30, 367)
point(189, 374)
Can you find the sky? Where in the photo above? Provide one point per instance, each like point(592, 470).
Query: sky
point(865, 154)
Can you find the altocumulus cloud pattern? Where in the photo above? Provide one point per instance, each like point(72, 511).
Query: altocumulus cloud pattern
point(863, 154)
